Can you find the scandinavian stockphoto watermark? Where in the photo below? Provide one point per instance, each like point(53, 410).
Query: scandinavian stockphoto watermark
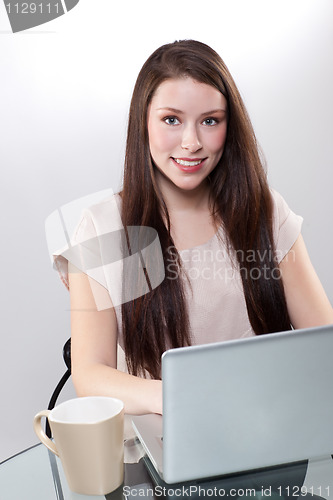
point(25, 15)
point(127, 262)
point(227, 265)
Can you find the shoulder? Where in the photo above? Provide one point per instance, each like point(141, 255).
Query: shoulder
point(286, 224)
point(100, 218)
point(85, 226)
point(281, 209)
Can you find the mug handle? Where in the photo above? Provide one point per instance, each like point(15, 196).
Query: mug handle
point(40, 432)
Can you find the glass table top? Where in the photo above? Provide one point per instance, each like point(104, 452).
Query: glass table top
point(36, 474)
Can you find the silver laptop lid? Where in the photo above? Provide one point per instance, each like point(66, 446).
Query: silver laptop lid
point(246, 404)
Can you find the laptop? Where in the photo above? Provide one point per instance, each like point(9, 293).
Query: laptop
point(242, 405)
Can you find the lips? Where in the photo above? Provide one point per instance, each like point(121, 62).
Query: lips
point(189, 164)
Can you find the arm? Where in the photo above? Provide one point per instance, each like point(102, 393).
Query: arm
point(94, 352)
point(307, 302)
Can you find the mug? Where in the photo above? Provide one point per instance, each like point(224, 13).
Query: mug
point(89, 440)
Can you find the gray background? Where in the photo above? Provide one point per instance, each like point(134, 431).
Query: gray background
point(64, 93)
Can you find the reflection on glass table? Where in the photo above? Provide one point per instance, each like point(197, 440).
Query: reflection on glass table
point(36, 474)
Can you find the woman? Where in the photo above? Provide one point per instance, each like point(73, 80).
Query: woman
point(235, 261)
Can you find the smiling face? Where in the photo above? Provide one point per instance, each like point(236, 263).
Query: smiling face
point(187, 128)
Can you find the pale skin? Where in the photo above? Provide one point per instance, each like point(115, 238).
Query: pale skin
point(187, 121)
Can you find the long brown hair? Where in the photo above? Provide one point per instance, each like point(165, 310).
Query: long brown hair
point(240, 199)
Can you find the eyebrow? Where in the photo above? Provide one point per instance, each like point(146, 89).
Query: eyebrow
point(179, 112)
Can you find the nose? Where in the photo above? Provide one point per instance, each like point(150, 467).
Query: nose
point(190, 140)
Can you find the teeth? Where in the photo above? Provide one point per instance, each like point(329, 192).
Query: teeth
point(187, 163)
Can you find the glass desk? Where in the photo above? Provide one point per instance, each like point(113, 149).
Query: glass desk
point(36, 474)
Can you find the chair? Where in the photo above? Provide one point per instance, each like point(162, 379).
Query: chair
point(67, 358)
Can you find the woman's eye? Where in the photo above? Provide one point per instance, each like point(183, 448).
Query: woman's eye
point(171, 120)
point(210, 121)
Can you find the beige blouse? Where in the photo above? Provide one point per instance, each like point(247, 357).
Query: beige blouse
point(215, 298)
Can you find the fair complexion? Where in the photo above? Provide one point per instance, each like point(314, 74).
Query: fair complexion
point(187, 127)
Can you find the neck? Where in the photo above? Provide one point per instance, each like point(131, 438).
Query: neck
point(181, 200)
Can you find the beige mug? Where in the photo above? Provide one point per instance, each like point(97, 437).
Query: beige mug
point(89, 440)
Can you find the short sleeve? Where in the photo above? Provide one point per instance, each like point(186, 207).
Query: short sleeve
point(95, 247)
point(85, 231)
point(126, 263)
point(286, 225)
